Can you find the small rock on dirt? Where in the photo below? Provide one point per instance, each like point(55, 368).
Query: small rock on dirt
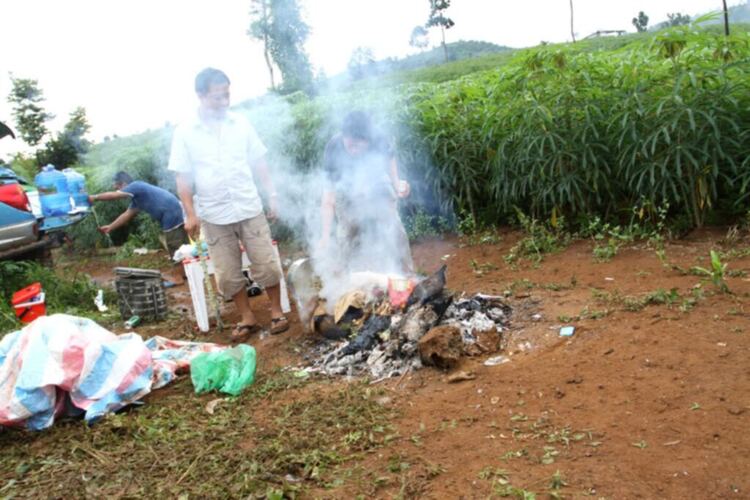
point(734, 410)
point(442, 346)
point(460, 377)
point(496, 360)
point(211, 406)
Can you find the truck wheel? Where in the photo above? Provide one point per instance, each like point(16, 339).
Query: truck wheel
point(43, 256)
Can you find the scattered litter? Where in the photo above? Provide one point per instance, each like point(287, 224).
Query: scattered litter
point(445, 257)
point(460, 377)
point(140, 251)
point(171, 357)
point(132, 322)
point(301, 373)
point(536, 317)
point(384, 400)
point(567, 331)
point(228, 371)
point(721, 344)
point(496, 360)
point(525, 346)
point(211, 406)
point(672, 443)
point(399, 290)
point(428, 288)
point(609, 279)
point(495, 400)
point(99, 301)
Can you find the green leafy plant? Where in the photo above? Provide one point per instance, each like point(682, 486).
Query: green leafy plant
point(717, 272)
point(422, 224)
point(541, 238)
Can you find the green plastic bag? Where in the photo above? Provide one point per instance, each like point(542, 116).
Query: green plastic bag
point(228, 371)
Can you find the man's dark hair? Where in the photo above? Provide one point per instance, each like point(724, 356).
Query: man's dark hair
point(208, 77)
point(357, 126)
point(122, 178)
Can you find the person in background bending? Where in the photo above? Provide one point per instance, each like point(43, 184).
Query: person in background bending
point(160, 204)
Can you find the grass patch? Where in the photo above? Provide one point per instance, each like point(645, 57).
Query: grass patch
point(256, 444)
point(541, 238)
point(65, 291)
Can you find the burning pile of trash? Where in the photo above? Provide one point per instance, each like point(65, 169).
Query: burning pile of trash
point(384, 327)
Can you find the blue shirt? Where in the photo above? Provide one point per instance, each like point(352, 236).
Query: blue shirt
point(160, 204)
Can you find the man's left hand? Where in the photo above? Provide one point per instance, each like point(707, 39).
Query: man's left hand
point(403, 189)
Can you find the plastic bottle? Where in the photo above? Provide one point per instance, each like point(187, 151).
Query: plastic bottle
point(77, 188)
point(53, 192)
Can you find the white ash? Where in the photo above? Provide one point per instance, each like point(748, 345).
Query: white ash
point(395, 350)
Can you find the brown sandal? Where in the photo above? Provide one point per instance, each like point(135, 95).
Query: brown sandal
point(279, 325)
point(242, 332)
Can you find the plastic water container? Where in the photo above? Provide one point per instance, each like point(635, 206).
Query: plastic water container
point(77, 188)
point(53, 192)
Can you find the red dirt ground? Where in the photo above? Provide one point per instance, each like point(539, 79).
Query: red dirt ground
point(652, 403)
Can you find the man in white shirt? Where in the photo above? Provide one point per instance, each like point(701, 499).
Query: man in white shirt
point(216, 157)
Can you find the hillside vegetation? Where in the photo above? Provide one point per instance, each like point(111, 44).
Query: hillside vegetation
point(608, 127)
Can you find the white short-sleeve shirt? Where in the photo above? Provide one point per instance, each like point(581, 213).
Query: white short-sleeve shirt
point(220, 163)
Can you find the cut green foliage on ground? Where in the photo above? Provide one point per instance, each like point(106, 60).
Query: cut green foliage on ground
point(251, 445)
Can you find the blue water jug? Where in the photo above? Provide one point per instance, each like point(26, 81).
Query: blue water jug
point(53, 192)
point(77, 188)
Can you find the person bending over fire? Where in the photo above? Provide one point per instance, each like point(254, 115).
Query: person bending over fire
point(216, 156)
point(361, 193)
point(160, 204)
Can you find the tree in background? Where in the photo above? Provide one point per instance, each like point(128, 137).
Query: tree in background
point(361, 62)
point(260, 29)
point(287, 33)
point(418, 38)
point(438, 18)
point(67, 147)
point(26, 98)
point(641, 22)
point(726, 17)
point(677, 19)
point(572, 33)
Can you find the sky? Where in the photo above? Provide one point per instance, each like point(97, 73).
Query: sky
point(131, 64)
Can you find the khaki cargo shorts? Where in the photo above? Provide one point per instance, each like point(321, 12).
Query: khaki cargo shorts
point(224, 249)
point(173, 239)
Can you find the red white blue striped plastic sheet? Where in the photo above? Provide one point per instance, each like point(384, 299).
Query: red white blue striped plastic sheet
point(61, 365)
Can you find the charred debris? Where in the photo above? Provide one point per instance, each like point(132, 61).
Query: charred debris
point(435, 327)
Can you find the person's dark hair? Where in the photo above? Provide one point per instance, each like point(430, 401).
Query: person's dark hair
point(208, 77)
point(357, 126)
point(123, 178)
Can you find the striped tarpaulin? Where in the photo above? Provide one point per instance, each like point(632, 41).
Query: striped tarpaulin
point(65, 364)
